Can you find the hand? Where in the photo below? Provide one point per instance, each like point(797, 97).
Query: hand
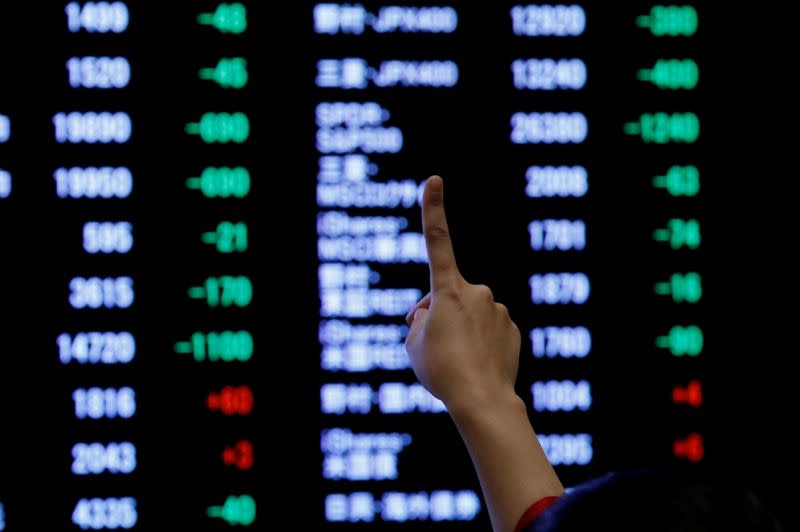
point(464, 349)
point(463, 346)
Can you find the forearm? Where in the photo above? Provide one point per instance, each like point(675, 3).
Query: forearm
point(512, 467)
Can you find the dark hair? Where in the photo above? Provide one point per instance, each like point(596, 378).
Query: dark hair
point(658, 500)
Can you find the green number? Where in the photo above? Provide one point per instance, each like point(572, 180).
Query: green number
point(680, 181)
point(235, 510)
point(680, 233)
point(683, 287)
point(222, 182)
point(230, 73)
point(682, 341)
point(224, 291)
point(672, 74)
point(670, 21)
point(229, 237)
point(663, 128)
point(224, 346)
point(228, 18)
point(221, 127)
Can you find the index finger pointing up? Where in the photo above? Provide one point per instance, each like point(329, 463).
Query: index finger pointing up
point(442, 261)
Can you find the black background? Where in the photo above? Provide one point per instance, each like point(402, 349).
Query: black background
point(746, 209)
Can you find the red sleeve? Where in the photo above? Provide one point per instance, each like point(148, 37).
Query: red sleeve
point(534, 511)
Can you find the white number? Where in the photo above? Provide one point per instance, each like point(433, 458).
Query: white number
point(5, 128)
point(565, 342)
point(567, 449)
point(96, 458)
point(96, 292)
point(99, 403)
point(103, 514)
point(104, 182)
point(547, 20)
point(559, 288)
point(100, 17)
point(548, 128)
point(107, 237)
point(562, 235)
point(5, 184)
point(96, 348)
point(560, 181)
point(549, 74)
point(92, 127)
point(98, 72)
point(553, 396)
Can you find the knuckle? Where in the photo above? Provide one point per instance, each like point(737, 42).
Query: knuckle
point(516, 332)
point(503, 310)
point(484, 292)
point(450, 292)
point(437, 232)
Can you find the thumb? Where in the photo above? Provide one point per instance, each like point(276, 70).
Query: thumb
point(418, 322)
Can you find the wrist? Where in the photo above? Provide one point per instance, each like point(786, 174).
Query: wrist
point(476, 407)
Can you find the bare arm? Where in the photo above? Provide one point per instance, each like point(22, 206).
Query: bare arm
point(464, 349)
